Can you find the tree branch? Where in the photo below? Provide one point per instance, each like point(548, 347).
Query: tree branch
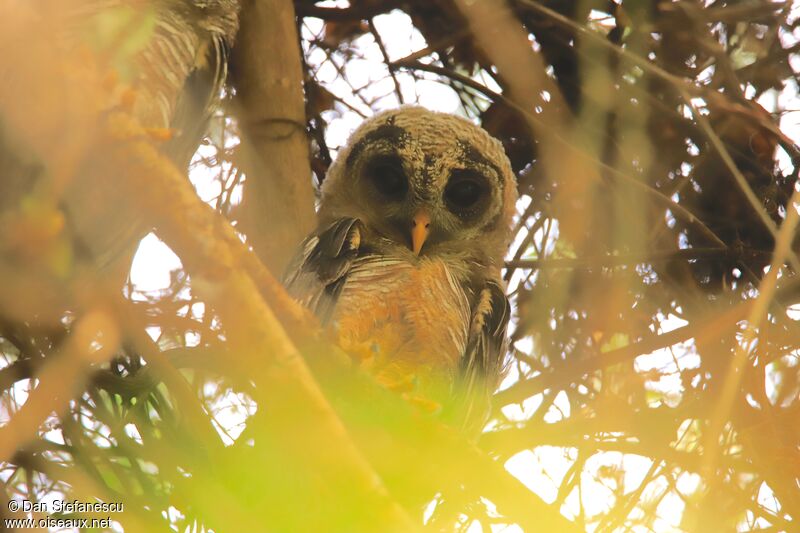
point(278, 199)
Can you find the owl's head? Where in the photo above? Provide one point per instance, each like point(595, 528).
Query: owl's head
point(425, 183)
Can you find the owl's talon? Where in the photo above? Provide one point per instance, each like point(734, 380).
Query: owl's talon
point(362, 353)
point(160, 134)
point(128, 99)
point(403, 384)
point(425, 405)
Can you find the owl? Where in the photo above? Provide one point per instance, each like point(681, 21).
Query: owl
point(404, 268)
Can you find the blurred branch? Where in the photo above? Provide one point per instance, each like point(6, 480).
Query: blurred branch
point(506, 43)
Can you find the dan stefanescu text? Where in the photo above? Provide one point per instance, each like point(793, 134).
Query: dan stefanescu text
point(67, 506)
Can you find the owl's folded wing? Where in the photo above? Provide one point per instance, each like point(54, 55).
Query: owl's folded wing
point(483, 364)
point(318, 272)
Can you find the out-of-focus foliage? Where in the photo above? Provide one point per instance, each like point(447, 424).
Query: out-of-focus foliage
point(654, 380)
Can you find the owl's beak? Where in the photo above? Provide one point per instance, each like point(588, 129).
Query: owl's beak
point(420, 228)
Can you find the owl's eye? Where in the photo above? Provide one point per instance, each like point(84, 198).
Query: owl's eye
point(387, 176)
point(464, 191)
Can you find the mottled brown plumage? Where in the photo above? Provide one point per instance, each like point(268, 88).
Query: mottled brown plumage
point(414, 221)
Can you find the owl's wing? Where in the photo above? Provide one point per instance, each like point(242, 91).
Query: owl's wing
point(318, 272)
point(483, 363)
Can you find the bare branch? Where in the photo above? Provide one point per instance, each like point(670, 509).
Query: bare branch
point(278, 200)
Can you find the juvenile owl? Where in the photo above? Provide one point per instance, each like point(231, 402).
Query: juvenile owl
point(414, 221)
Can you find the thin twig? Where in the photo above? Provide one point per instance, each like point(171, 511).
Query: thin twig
point(386, 59)
point(627, 258)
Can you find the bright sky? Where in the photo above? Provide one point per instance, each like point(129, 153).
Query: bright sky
point(543, 468)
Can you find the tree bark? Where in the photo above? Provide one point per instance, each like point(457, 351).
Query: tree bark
point(278, 201)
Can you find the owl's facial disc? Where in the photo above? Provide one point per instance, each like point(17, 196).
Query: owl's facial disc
point(404, 160)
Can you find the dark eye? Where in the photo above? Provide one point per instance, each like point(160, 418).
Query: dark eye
point(388, 177)
point(464, 191)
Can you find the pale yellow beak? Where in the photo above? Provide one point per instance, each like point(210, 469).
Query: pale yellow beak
point(420, 228)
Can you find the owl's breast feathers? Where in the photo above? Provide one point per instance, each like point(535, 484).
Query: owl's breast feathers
point(410, 319)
